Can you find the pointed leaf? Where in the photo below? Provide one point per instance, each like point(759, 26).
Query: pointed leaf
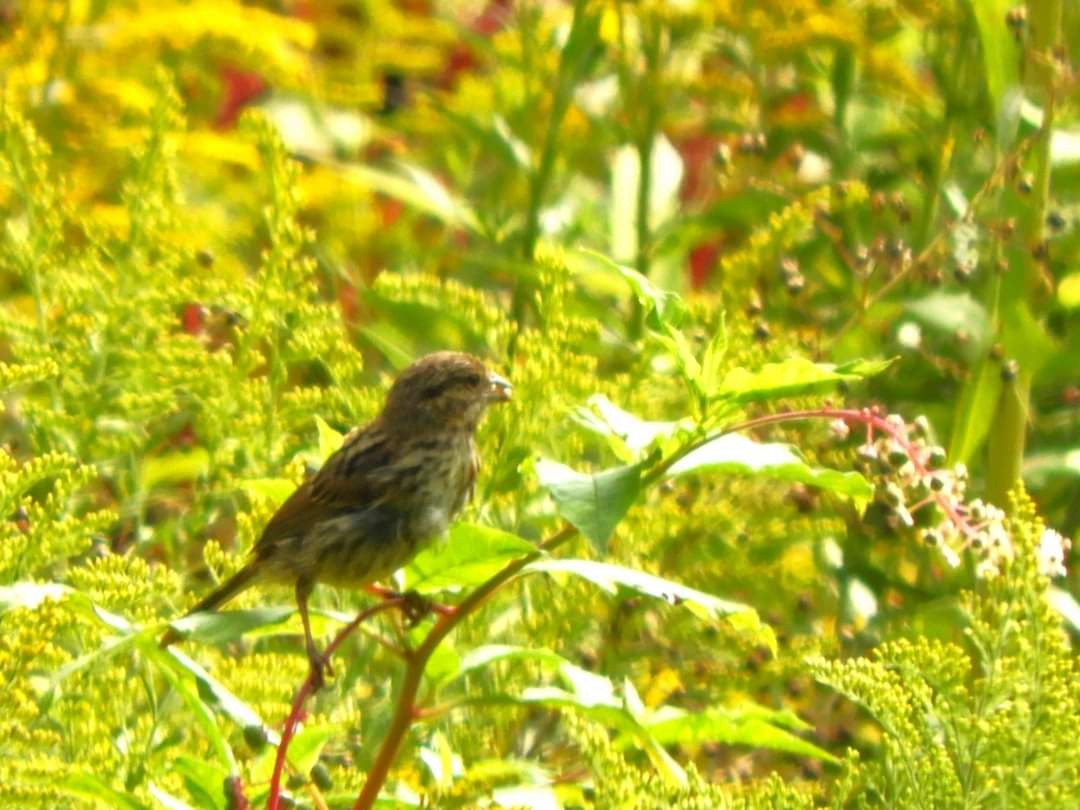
point(488, 654)
point(215, 628)
point(795, 377)
point(635, 435)
point(663, 309)
point(329, 439)
point(96, 791)
point(732, 728)
point(30, 594)
point(418, 189)
point(470, 555)
point(735, 453)
point(706, 606)
point(594, 503)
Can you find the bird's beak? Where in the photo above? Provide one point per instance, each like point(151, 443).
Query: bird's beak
point(501, 389)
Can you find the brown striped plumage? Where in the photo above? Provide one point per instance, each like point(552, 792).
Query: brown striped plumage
point(393, 487)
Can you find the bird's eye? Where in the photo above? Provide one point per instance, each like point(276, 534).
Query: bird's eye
point(436, 389)
point(470, 380)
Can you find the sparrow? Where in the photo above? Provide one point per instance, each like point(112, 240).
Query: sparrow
point(392, 488)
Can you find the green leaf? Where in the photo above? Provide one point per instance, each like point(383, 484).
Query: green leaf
point(214, 694)
point(306, 747)
point(416, 188)
point(215, 628)
point(735, 453)
point(663, 309)
point(471, 555)
point(999, 53)
point(202, 693)
point(1064, 147)
point(703, 605)
point(596, 696)
point(949, 312)
point(975, 411)
point(1039, 468)
point(184, 685)
point(732, 727)
point(97, 791)
point(594, 503)
point(273, 490)
point(167, 800)
point(714, 355)
point(329, 439)
point(632, 435)
point(666, 172)
point(795, 377)
point(171, 468)
point(488, 654)
point(30, 594)
point(205, 781)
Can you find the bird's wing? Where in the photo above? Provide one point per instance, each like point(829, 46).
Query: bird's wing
point(353, 478)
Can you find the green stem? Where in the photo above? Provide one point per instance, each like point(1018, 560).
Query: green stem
point(566, 80)
point(1008, 433)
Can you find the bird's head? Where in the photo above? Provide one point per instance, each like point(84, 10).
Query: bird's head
point(444, 390)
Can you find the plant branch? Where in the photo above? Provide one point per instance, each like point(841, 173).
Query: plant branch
point(307, 688)
point(405, 713)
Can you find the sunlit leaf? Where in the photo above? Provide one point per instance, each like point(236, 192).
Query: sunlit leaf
point(273, 490)
point(950, 312)
point(706, 606)
point(30, 594)
point(731, 727)
point(167, 800)
point(470, 555)
point(789, 378)
point(218, 627)
point(170, 468)
point(738, 455)
point(418, 189)
point(634, 435)
point(97, 791)
point(488, 654)
point(204, 780)
point(1066, 605)
point(594, 503)
point(329, 439)
point(306, 747)
point(663, 309)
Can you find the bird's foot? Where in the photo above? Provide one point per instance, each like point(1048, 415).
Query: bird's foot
point(320, 667)
point(415, 606)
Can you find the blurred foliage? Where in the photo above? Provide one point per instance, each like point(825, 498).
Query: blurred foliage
point(225, 221)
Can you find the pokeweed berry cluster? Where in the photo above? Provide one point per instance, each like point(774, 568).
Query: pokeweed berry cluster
point(921, 494)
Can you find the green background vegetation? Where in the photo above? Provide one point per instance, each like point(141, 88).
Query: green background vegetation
point(226, 226)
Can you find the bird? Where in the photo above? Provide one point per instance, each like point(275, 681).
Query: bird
point(393, 487)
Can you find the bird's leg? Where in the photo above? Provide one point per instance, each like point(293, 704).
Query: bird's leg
point(319, 663)
point(415, 606)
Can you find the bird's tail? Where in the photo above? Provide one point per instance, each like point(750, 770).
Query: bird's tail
point(216, 598)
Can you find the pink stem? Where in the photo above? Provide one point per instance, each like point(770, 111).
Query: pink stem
point(873, 421)
point(305, 691)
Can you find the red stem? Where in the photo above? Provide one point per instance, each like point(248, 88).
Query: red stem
point(305, 691)
point(404, 710)
point(405, 713)
point(873, 421)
